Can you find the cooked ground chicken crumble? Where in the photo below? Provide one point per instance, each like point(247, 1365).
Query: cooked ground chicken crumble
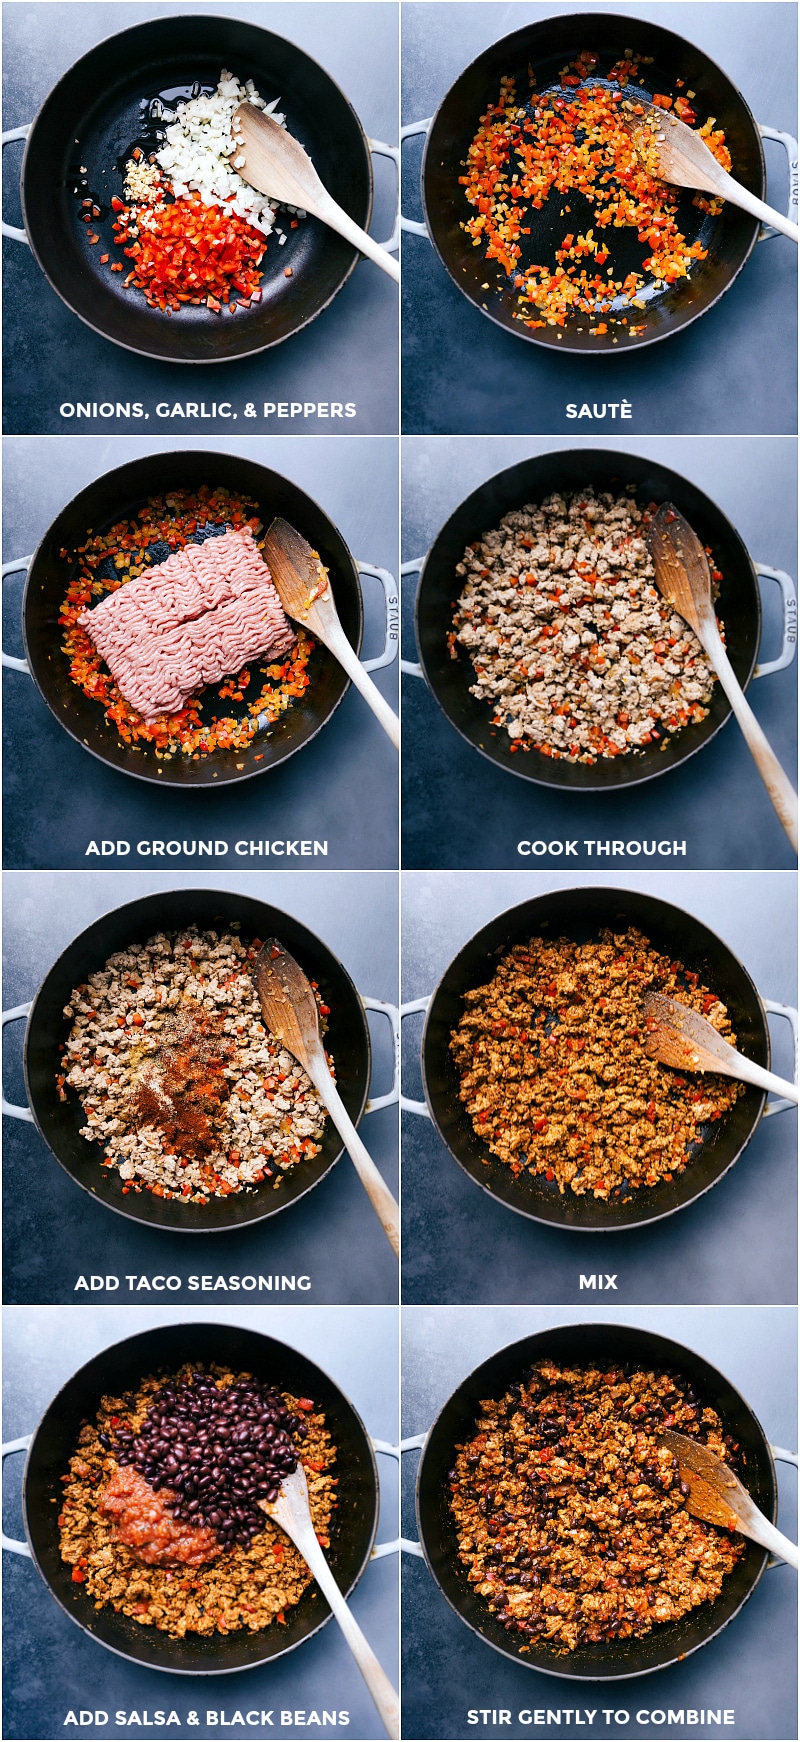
point(571, 1517)
point(239, 1588)
point(553, 1071)
point(181, 1084)
point(570, 640)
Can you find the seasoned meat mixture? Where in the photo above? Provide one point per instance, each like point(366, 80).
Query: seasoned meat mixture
point(181, 1084)
point(571, 1516)
point(135, 1547)
point(572, 644)
point(553, 1071)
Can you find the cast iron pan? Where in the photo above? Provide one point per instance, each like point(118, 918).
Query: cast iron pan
point(119, 495)
point(605, 1344)
point(59, 1122)
point(738, 605)
point(548, 46)
point(96, 114)
point(581, 914)
point(121, 1368)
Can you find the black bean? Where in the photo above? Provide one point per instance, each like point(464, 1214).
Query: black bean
point(217, 1450)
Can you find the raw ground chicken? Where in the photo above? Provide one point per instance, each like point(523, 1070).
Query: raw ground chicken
point(183, 1089)
point(203, 613)
point(554, 1076)
point(571, 1517)
point(110, 560)
point(570, 640)
point(575, 141)
point(241, 1588)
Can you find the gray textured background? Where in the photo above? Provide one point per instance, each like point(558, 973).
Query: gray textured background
point(460, 810)
point(732, 371)
point(348, 353)
point(58, 1232)
point(751, 1666)
point(342, 787)
point(51, 1667)
point(737, 1243)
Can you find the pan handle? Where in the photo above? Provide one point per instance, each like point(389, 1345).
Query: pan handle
point(791, 1016)
point(392, 602)
point(411, 667)
point(11, 230)
point(375, 1102)
point(790, 147)
point(789, 639)
point(10, 1542)
point(392, 151)
point(782, 1457)
point(408, 1106)
point(410, 224)
point(393, 1546)
point(15, 1015)
point(401, 1543)
point(20, 562)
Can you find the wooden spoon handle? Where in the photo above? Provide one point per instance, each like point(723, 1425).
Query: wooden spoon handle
point(740, 196)
point(337, 643)
point(778, 785)
point(327, 209)
point(375, 1676)
point(374, 1185)
point(760, 1530)
point(748, 1072)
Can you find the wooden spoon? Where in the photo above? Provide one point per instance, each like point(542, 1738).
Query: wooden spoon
point(276, 164)
point(717, 1496)
point(304, 591)
point(675, 153)
point(291, 1511)
point(682, 575)
point(289, 1009)
point(682, 1038)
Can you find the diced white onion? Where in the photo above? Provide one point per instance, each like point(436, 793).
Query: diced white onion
point(200, 143)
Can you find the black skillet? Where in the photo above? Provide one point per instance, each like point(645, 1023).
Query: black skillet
point(605, 1345)
point(738, 605)
point(59, 1122)
point(97, 113)
point(118, 495)
point(548, 46)
point(122, 1368)
point(580, 914)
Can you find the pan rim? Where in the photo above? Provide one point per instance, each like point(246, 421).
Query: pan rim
point(158, 356)
point(540, 777)
point(533, 337)
point(238, 1669)
point(524, 1342)
point(157, 778)
point(589, 890)
point(275, 1209)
